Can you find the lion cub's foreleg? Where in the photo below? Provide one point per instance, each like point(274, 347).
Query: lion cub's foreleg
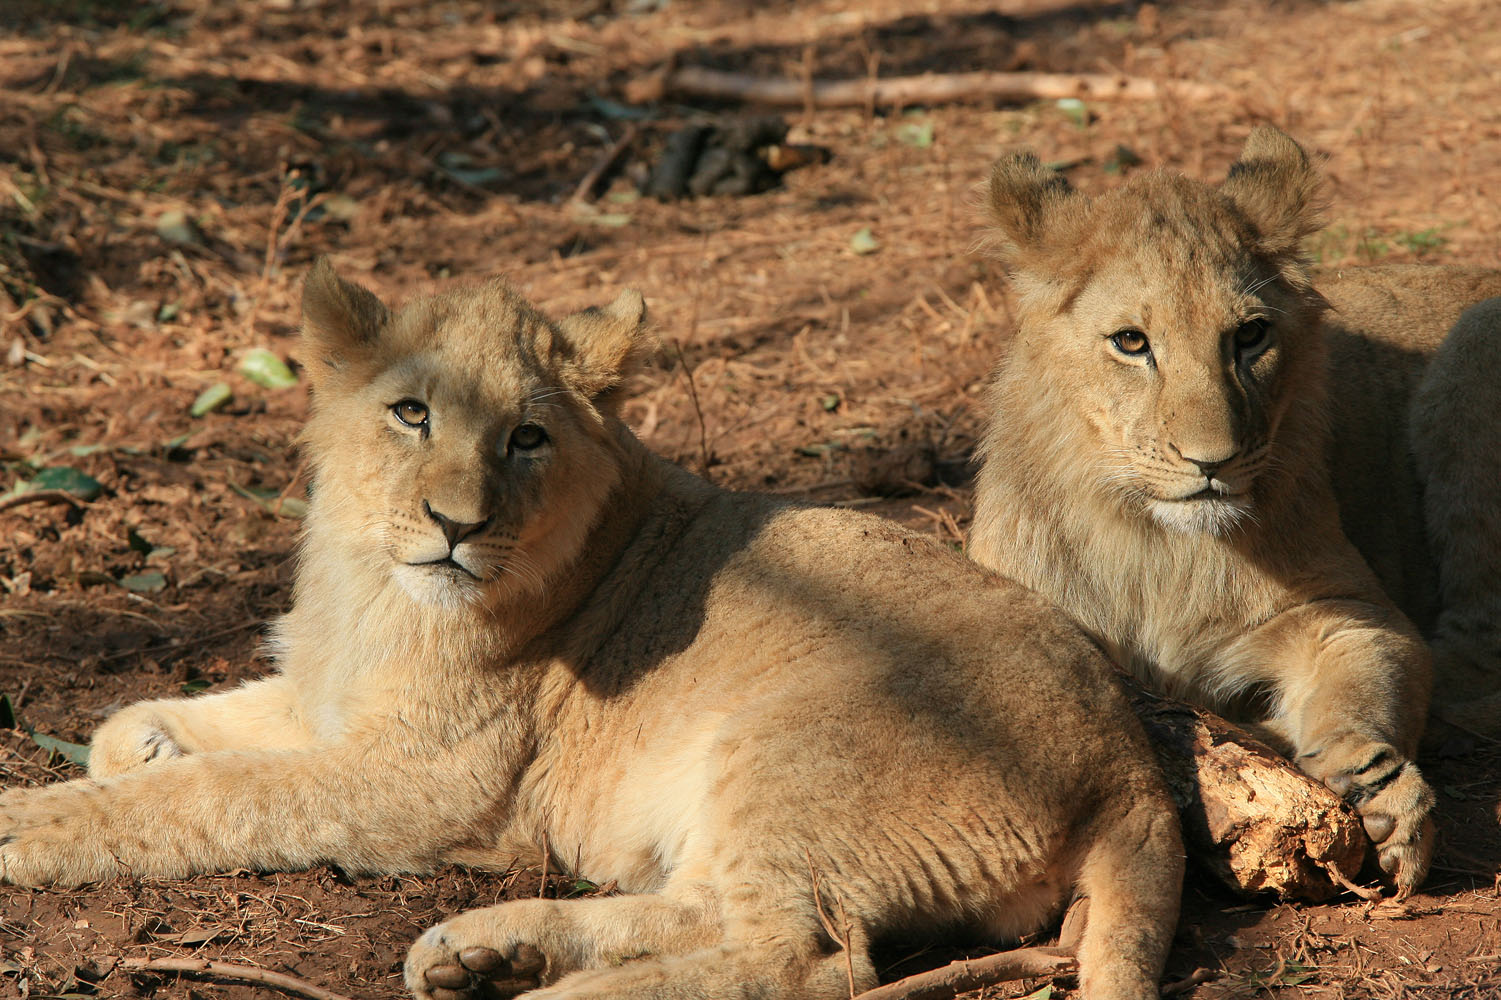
point(529, 943)
point(1350, 702)
point(366, 807)
point(255, 716)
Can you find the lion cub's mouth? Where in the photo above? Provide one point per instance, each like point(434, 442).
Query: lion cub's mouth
point(448, 563)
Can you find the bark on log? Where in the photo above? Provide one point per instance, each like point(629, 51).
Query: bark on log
point(1253, 819)
point(931, 88)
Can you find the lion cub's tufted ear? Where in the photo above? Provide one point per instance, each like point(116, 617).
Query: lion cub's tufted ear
point(1276, 187)
point(602, 346)
point(1025, 197)
point(339, 318)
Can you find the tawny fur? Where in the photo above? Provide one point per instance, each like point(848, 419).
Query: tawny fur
point(501, 640)
point(1415, 460)
point(1177, 498)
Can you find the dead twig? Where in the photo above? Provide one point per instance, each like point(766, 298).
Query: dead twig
point(698, 410)
point(1196, 978)
point(843, 938)
point(1369, 895)
point(972, 974)
point(931, 88)
point(225, 970)
point(585, 190)
point(40, 496)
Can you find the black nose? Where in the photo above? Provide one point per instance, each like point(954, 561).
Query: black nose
point(454, 531)
point(1208, 468)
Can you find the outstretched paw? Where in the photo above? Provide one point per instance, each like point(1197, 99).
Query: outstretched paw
point(1394, 802)
point(442, 966)
point(48, 835)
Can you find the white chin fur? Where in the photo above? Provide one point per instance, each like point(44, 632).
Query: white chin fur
point(1204, 517)
point(439, 587)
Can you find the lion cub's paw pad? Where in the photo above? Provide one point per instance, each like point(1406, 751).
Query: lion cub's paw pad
point(485, 972)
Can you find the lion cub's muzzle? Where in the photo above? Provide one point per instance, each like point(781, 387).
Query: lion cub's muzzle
point(455, 533)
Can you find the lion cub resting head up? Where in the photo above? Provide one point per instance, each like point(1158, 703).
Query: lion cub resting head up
point(1155, 463)
point(514, 626)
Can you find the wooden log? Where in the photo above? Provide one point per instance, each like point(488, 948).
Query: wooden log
point(929, 88)
point(1250, 816)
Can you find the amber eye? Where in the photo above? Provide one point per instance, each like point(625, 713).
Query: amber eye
point(528, 437)
point(411, 413)
point(1252, 336)
point(1131, 342)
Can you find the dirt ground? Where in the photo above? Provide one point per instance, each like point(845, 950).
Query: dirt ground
point(169, 169)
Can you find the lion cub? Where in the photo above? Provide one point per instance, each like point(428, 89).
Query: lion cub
point(1156, 463)
point(514, 626)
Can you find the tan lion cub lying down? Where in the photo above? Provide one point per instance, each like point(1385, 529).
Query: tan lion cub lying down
point(514, 625)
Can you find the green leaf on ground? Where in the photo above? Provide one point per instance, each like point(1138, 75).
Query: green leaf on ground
point(272, 501)
point(267, 370)
point(864, 242)
point(7, 713)
point(916, 134)
point(149, 582)
point(196, 684)
point(75, 752)
point(211, 399)
point(62, 477)
point(1074, 110)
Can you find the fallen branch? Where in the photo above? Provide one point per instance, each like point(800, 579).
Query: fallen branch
point(930, 88)
point(1253, 819)
point(40, 496)
point(972, 974)
point(585, 189)
point(224, 970)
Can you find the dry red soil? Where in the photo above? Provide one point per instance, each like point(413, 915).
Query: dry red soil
point(168, 171)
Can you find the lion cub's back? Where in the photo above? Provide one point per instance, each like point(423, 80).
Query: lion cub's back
point(917, 616)
point(1385, 325)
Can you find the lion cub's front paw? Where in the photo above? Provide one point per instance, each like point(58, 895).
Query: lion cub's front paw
point(48, 835)
point(131, 738)
point(1394, 802)
point(444, 964)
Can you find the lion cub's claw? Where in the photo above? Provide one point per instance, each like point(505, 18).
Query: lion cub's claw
point(1394, 802)
point(472, 972)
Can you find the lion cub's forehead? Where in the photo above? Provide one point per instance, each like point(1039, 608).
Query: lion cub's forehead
point(487, 336)
point(1171, 219)
point(1168, 250)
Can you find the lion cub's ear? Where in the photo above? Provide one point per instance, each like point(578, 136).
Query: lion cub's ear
point(1276, 187)
point(1024, 200)
point(339, 318)
point(602, 346)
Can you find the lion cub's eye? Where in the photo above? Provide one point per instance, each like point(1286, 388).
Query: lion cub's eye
point(1132, 342)
point(528, 437)
point(1252, 336)
point(411, 413)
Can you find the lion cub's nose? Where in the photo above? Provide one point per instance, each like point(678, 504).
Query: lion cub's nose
point(454, 531)
point(1209, 468)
